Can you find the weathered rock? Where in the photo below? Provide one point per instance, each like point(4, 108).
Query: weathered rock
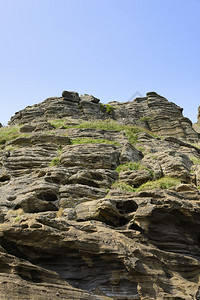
point(111, 135)
point(153, 112)
point(151, 163)
point(175, 164)
point(27, 128)
point(97, 178)
point(130, 153)
point(135, 178)
point(67, 232)
point(89, 98)
point(72, 194)
point(70, 96)
point(96, 156)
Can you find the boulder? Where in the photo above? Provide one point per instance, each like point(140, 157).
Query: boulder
point(89, 98)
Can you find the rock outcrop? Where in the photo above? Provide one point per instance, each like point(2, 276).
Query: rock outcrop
point(99, 201)
point(152, 112)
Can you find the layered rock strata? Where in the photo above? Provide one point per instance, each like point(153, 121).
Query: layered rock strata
point(152, 112)
point(94, 206)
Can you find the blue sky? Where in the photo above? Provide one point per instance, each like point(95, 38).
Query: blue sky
point(108, 48)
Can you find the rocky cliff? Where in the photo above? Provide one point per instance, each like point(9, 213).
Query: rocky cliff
point(100, 201)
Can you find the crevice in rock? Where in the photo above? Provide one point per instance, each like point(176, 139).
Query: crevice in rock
point(134, 226)
point(4, 178)
point(48, 196)
point(84, 181)
point(12, 248)
point(29, 275)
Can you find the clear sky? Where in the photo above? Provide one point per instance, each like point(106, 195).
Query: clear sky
point(108, 48)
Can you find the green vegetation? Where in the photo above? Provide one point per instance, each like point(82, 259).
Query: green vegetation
point(93, 141)
point(107, 108)
point(145, 118)
point(129, 166)
point(140, 149)
point(195, 160)
point(162, 183)
point(132, 166)
point(104, 125)
point(131, 132)
point(57, 123)
point(122, 186)
point(55, 162)
point(9, 133)
point(10, 148)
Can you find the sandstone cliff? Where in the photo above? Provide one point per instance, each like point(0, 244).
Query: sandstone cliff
point(100, 201)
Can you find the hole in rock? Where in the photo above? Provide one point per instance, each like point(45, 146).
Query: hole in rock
point(84, 181)
point(4, 178)
point(48, 196)
point(134, 226)
point(126, 206)
point(122, 221)
point(112, 220)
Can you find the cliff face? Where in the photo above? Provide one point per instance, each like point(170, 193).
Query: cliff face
point(153, 112)
point(99, 201)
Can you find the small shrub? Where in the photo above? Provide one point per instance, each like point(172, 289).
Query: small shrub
point(129, 166)
point(122, 186)
point(162, 183)
point(109, 109)
point(55, 162)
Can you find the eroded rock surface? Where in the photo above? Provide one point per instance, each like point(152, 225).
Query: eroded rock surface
point(95, 205)
point(152, 112)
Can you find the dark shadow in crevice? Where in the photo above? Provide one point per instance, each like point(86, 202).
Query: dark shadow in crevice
point(48, 196)
point(126, 207)
point(4, 178)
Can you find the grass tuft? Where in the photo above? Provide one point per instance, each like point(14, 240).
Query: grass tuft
point(195, 160)
point(162, 183)
point(93, 141)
